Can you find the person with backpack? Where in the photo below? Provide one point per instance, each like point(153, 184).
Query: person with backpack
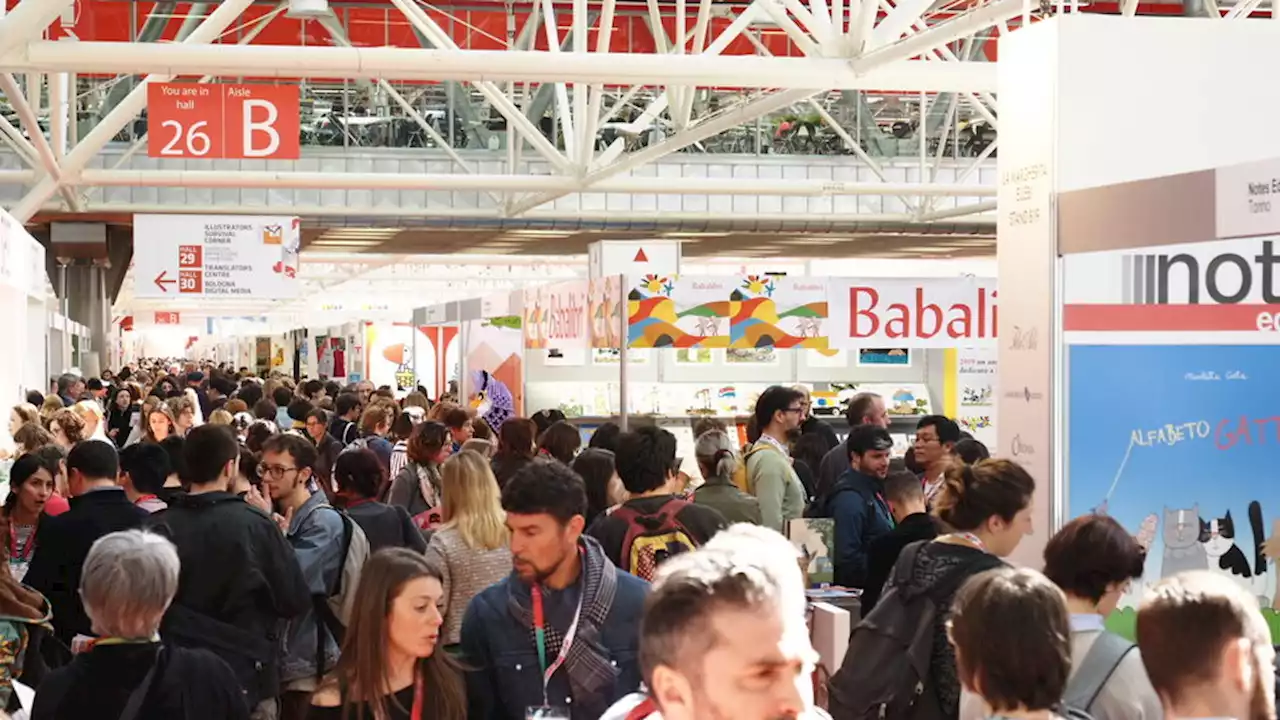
point(346, 411)
point(235, 594)
point(857, 504)
point(557, 638)
point(1010, 631)
point(1093, 559)
point(319, 536)
point(899, 665)
point(770, 475)
point(655, 523)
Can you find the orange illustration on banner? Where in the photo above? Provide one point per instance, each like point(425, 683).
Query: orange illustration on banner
point(272, 235)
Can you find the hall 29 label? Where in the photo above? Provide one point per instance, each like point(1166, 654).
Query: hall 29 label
point(208, 120)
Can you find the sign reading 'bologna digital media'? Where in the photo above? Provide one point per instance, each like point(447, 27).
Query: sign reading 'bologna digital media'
point(206, 256)
point(915, 313)
point(208, 120)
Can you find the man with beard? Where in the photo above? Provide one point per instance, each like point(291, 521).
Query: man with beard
point(770, 477)
point(698, 663)
point(557, 638)
point(857, 503)
point(1207, 649)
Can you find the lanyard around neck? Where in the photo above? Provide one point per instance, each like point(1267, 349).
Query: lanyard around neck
point(971, 539)
point(25, 554)
point(540, 634)
point(418, 694)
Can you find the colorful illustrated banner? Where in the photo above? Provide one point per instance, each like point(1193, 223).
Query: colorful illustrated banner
point(825, 314)
point(556, 316)
point(754, 311)
point(1177, 442)
point(604, 311)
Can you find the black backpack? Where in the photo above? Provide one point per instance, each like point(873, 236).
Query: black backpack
point(885, 673)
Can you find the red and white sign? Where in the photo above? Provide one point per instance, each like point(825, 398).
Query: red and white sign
point(922, 313)
point(1211, 287)
point(208, 120)
point(216, 256)
point(555, 316)
point(165, 317)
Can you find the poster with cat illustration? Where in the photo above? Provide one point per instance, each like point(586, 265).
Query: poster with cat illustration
point(1179, 444)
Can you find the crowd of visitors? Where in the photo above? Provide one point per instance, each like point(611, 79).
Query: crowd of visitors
point(192, 542)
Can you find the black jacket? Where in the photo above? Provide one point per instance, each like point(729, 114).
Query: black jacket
point(64, 544)
point(343, 430)
point(327, 452)
point(387, 526)
point(187, 685)
point(884, 551)
point(237, 570)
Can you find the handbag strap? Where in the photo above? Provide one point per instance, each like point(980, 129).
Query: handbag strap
point(139, 694)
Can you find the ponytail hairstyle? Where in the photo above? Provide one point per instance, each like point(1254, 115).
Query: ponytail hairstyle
point(716, 455)
point(972, 494)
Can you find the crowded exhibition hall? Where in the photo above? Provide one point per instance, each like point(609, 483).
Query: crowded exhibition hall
point(639, 360)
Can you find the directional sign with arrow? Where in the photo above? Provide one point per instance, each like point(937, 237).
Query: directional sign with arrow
point(163, 280)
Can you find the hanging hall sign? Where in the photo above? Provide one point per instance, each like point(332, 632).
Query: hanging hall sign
point(209, 120)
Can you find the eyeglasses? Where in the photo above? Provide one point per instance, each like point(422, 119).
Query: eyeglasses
point(275, 471)
point(794, 410)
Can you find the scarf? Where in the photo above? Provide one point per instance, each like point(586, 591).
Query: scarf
point(429, 484)
point(591, 675)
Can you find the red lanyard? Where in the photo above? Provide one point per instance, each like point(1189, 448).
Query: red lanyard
point(143, 498)
point(418, 692)
point(540, 634)
point(30, 545)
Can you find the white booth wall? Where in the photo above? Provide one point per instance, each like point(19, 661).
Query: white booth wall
point(1086, 101)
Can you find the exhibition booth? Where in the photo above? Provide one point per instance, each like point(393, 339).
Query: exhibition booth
point(1137, 278)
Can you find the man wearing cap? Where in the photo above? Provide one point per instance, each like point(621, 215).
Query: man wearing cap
point(857, 503)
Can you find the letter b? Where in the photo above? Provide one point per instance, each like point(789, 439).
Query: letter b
point(924, 313)
point(871, 298)
point(266, 126)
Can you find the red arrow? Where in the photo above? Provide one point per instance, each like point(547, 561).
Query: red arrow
point(162, 279)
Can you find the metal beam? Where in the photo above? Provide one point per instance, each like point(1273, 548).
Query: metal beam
point(125, 112)
point(710, 125)
point(950, 30)
point(521, 183)
point(876, 71)
point(28, 20)
point(491, 92)
point(41, 143)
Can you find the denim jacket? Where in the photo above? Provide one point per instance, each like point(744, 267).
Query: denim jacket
point(316, 537)
point(504, 677)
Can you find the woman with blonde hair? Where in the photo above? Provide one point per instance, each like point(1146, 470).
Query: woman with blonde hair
point(220, 417)
point(472, 547)
point(51, 406)
point(94, 421)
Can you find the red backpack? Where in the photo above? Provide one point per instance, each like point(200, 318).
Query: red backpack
point(651, 539)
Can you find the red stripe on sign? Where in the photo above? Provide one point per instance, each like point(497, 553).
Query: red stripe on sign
point(1170, 318)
